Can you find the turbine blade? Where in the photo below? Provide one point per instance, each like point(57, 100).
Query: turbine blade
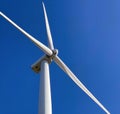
point(61, 64)
point(35, 41)
point(50, 42)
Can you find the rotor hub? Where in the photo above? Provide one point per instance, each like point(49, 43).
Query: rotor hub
point(55, 52)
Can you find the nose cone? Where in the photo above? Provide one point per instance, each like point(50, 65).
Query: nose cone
point(55, 51)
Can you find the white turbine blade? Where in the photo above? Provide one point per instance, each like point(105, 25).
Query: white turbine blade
point(77, 81)
point(50, 42)
point(39, 44)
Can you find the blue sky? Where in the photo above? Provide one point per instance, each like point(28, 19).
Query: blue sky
point(87, 36)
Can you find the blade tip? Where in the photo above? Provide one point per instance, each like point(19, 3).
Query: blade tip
point(43, 3)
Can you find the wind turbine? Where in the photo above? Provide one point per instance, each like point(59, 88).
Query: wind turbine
point(42, 65)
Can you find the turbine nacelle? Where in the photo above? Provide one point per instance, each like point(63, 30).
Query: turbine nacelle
point(36, 67)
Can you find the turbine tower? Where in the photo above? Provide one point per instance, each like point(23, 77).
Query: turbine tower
point(42, 66)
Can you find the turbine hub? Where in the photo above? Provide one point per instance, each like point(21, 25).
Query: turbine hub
point(55, 52)
point(37, 65)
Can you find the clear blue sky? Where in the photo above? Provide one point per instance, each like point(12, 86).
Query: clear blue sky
point(87, 34)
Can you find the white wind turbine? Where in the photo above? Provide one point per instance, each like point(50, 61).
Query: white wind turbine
point(51, 54)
